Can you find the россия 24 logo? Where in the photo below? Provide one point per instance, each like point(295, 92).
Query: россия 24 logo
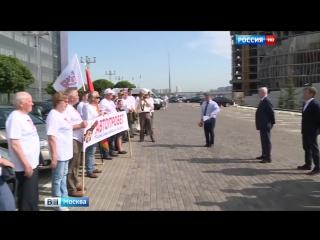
point(70, 81)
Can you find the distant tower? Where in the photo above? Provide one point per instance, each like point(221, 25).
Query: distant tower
point(178, 89)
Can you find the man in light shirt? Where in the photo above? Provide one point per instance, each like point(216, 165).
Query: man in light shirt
point(209, 111)
point(130, 105)
point(108, 106)
point(152, 108)
point(74, 189)
point(165, 99)
point(84, 100)
point(90, 111)
point(24, 151)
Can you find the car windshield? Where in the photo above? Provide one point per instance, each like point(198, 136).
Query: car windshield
point(4, 153)
point(5, 112)
point(154, 96)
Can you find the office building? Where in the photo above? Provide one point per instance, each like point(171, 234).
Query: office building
point(53, 57)
point(294, 58)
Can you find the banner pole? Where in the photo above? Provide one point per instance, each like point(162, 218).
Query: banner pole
point(130, 143)
point(83, 169)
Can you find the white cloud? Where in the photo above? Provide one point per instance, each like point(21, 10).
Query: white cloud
point(218, 43)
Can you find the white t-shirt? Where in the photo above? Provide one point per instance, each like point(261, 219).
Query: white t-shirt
point(89, 112)
point(127, 105)
point(75, 119)
point(80, 107)
point(152, 102)
point(108, 106)
point(20, 126)
point(60, 126)
point(131, 101)
point(145, 107)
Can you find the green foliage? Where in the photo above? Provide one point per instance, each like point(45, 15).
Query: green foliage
point(124, 84)
point(281, 100)
point(102, 84)
point(14, 76)
point(290, 97)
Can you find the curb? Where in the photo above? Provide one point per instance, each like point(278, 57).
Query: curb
point(276, 111)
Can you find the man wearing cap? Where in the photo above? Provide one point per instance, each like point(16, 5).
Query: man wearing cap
point(109, 106)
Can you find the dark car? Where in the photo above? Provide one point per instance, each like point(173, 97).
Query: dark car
point(193, 100)
point(42, 109)
point(222, 101)
point(174, 100)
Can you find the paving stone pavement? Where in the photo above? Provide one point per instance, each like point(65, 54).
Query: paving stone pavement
point(178, 173)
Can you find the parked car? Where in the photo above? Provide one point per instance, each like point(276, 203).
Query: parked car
point(222, 101)
point(193, 100)
point(42, 109)
point(174, 100)
point(44, 157)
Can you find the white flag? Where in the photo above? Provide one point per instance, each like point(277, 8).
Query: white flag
point(71, 76)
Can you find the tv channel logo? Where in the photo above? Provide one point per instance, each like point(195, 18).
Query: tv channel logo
point(255, 40)
point(66, 202)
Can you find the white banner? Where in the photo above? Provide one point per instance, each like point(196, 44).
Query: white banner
point(103, 127)
point(71, 76)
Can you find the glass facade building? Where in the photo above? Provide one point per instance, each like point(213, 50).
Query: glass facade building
point(53, 57)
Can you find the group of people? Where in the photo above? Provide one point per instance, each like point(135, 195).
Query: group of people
point(64, 127)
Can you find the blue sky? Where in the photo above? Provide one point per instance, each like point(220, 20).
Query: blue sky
point(200, 61)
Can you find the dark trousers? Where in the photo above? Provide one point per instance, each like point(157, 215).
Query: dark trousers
point(145, 125)
point(265, 137)
point(208, 127)
point(151, 123)
point(28, 191)
point(311, 150)
point(74, 164)
point(112, 146)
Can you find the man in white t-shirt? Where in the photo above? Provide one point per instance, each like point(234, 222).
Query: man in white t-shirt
point(150, 98)
point(74, 189)
point(24, 150)
point(90, 111)
point(84, 100)
point(107, 105)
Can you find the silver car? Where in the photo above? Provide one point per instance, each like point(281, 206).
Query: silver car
point(44, 158)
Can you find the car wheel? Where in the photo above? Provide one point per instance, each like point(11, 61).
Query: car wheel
point(227, 104)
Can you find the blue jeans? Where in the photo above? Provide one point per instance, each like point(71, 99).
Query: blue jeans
point(90, 151)
point(112, 142)
point(59, 179)
point(7, 202)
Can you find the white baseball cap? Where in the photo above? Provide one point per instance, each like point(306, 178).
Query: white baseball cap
point(108, 91)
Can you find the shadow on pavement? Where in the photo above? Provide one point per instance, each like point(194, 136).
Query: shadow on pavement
point(214, 161)
point(173, 146)
point(284, 195)
point(255, 172)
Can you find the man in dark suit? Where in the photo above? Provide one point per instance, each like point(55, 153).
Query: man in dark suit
point(310, 128)
point(264, 122)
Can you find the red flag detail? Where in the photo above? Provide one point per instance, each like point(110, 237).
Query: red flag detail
point(89, 81)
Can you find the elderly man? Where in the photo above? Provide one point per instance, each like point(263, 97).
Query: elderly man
point(78, 125)
point(107, 105)
point(132, 102)
point(24, 150)
point(130, 109)
point(90, 111)
point(209, 112)
point(84, 100)
point(264, 123)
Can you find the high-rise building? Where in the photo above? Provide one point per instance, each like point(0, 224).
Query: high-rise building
point(272, 66)
point(53, 56)
point(178, 89)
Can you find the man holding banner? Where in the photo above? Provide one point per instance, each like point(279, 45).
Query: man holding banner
point(90, 111)
point(107, 105)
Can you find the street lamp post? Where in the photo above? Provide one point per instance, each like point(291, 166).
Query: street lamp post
point(110, 74)
point(87, 61)
point(37, 36)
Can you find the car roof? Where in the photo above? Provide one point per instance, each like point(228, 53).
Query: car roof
point(6, 106)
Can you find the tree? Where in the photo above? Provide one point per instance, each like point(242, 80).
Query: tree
point(102, 84)
point(281, 100)
point(291, 96)
point(14, 76)
point(124, 84)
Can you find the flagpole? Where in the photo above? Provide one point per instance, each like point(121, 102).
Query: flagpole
point(84, 87)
